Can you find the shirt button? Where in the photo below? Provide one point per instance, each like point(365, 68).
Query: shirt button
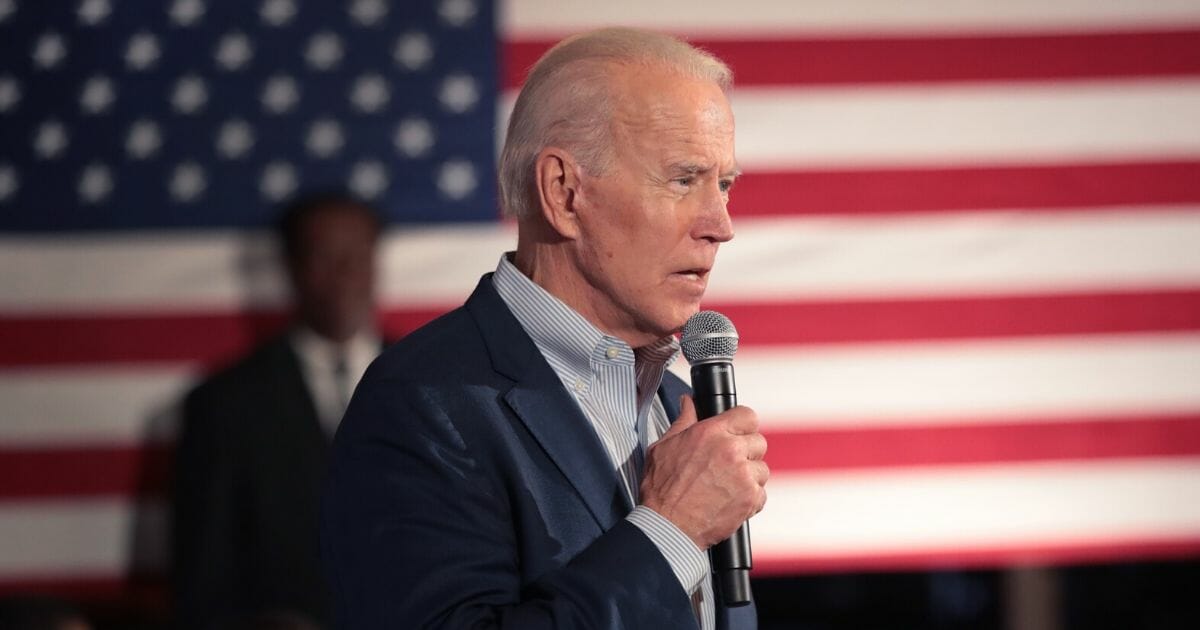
point(579, 385)
point(612, 352)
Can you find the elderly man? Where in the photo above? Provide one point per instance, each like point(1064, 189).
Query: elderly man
point(526, 461)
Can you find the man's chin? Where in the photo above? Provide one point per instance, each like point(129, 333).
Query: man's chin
point(679, 317)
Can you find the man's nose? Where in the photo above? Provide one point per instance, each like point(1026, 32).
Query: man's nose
point(714, 223)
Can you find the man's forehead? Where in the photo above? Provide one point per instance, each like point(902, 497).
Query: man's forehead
point(673, 105)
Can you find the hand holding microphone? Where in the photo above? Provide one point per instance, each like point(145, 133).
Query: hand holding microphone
point(707, 477)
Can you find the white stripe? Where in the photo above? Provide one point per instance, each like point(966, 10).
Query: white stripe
point(89, 538)
point(949, 125)
point(771, 258)
point(875, 384)
point(440, 265)
point(539, 18)
point(958, 254)
point(106, 405)
point(173, 272)
point(158, 270)
point(844, 514)
point(958, 382)
point(931, 510)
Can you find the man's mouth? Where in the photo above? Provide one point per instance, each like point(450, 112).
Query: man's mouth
point(696, 273)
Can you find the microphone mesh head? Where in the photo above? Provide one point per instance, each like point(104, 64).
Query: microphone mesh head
point(709, 336)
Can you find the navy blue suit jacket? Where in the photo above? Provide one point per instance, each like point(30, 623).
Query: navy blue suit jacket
point(467, 489)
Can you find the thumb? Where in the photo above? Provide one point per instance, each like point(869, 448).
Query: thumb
point(687, 417)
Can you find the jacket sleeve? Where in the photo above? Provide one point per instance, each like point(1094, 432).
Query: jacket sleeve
point(419, 532)
point(204, 518)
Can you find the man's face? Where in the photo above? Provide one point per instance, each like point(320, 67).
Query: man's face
point(334, 274)
point(651, 225)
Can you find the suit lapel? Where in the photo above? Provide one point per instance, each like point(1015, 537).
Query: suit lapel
point(669, 392)
point(296, 398)
point(546, 409)
point(567, 437)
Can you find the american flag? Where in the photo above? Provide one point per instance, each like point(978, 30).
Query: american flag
point(966, 271)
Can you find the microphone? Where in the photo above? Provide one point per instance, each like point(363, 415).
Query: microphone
point(709, 343)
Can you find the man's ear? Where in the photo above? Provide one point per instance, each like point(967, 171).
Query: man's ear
point(558, 190)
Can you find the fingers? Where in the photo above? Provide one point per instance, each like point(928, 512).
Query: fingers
point(707, 476)
point(687, 417)
point(761, 472)
point(755, 445)
point(740, 420)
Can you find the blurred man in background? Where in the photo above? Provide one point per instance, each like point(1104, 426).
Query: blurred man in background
point(252, 452)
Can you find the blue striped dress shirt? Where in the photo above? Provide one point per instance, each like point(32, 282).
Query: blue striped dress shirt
point(616, 388)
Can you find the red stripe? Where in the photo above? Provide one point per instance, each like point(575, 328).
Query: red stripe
point(213, 338)
point(132, 471)
point(884, 191)
point(147, 594)
point(813, 322)
point(1029, 554)
point(142, 471)
point(208, 338)
point(968, 444)
point(807, 61)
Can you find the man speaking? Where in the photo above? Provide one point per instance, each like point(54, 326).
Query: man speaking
point(526, 461)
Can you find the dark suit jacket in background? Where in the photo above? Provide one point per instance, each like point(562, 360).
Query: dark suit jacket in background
point(250, 463)
point(467, 489)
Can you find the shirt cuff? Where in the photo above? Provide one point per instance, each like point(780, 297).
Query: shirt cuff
point(687, 561)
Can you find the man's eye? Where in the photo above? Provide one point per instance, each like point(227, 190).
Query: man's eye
point(685, 181)
point(726, 185)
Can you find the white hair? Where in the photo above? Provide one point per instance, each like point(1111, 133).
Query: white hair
point(567, 102)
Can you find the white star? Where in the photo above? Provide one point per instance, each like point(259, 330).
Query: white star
point(49, 50)
point(10, 93)
point(413, 137)
point(324, 51)
point(233, 51)
point(456, 179)
point(190, 94)
point(143, 140)
point(234, 139)
point(279, 94)
point(186, 12)
point(278, 181)
point(95, 183)
point(7, 8)
point(50, 140)
point(277, 12)
point(413, 51)
point(98, 95)
point(370, 93)
point(457, 13)
point(368, 12)
point(324, 138)
point(142, 51)
point(458, 93)
point(187, 182)
point(93, 12)
point(9, 182)
point(368, 179)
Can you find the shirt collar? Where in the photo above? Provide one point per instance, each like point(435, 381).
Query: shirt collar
point(569, 341)
point(320, 352)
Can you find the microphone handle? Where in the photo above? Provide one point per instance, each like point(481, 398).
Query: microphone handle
point(715, 393)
